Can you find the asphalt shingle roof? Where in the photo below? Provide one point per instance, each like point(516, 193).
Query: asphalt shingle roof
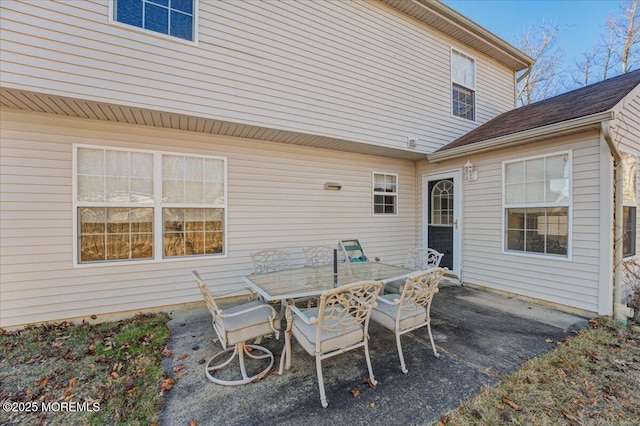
point(598, 97)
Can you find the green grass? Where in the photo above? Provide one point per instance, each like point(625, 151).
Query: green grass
point(593, 378)
point(115, 366)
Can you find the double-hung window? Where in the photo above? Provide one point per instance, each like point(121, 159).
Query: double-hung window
point(385, 194)
point(174, 18)
point(629, 204)
point(147, 205)
point(463, 85)
point(537, 205)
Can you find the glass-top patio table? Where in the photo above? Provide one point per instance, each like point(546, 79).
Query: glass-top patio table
point(311, 281)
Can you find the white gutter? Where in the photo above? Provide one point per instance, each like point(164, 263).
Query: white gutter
point(513, 139)
point(620, 311)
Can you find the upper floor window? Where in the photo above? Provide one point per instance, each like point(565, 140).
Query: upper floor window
point(171, 17)
point(385, 193)
point(629, 204)
point(145, 205)
point(463, 85)
point(537, 200)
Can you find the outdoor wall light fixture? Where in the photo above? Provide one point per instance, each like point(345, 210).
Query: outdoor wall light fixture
point(469, 173)
point(333, 186)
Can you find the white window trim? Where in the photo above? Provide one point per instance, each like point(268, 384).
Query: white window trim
point(374, 193)
point(636, 205)
point(194, 42)
point(451, 82)
point(505, 206)
point(157, 205)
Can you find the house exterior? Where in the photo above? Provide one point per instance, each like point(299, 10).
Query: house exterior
point(141, 139)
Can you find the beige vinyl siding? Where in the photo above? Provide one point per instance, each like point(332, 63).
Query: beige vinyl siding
point(355, 70)
point(276, 198)
point(626, 135)
point(575, 282)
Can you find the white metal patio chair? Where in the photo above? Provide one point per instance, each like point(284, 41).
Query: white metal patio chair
point(318, 256)
point(270, 260)
point(234, 326)
point(419, 259)
point(411, 309)
point(339, 324)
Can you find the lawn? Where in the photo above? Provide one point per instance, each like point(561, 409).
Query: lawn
point(112, 373)
point(84, 374)
point(592, 378)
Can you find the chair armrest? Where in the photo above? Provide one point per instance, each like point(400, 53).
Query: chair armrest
point(302, 315)
point(251, 309)
point(237, 290)
point(384, 300)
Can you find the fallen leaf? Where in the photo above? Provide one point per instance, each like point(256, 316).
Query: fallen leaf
point(73, 382)
point(511, 404)
point(43, 381)
point(94, 317)
point(193, 422)
point(355, 392)
point(548, 340)
point(178, 368)
point(182, 356)
point(168, 353)
point(167, 384)
point(91, 350)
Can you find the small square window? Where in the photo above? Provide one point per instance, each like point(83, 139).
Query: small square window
point(385, 194)
point(171, 17)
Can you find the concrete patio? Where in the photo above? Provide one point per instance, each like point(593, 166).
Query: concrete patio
point(480, 336)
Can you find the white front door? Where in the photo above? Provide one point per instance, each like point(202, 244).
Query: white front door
point(441, 217)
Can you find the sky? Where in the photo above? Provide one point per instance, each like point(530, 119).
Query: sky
point(584, 19)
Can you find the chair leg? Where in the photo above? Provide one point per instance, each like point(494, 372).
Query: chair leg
point(285, 358)
point(366, 354)
point(400, 354)
point(239, 350)
point(433, 345)
point(323, 396)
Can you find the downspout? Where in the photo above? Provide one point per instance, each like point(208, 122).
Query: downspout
point(620, 311)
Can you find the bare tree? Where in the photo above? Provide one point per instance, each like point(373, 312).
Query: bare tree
point(630, 31)
point(542, 80)
point(597, 61)
point(617, 52)
point(585, 68)
point(607, 46)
